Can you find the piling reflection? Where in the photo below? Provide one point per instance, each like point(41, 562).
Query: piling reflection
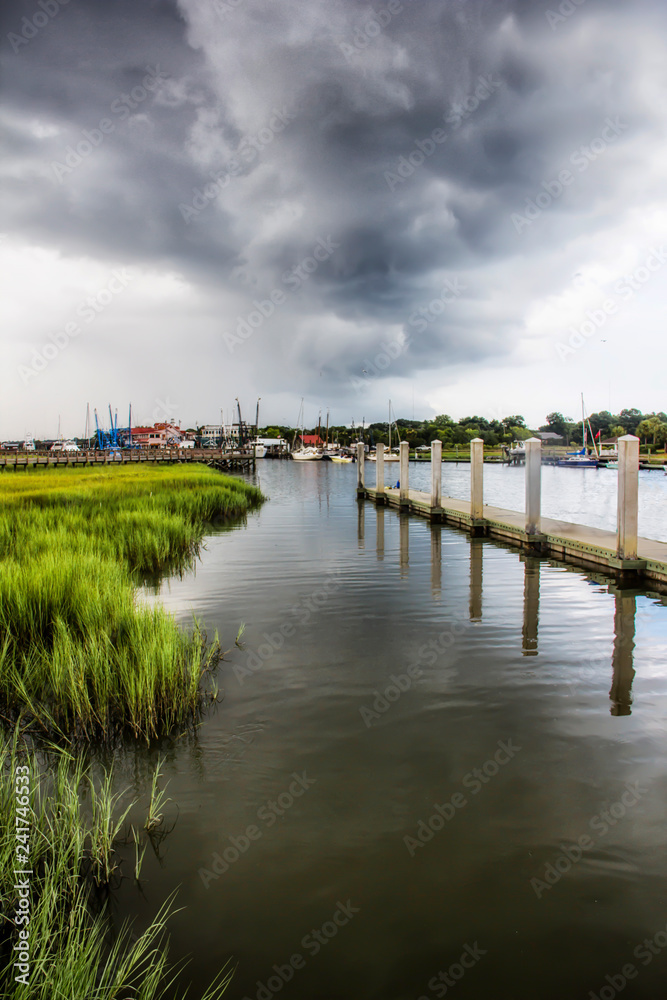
point(476, 557)
point(379, 533)
point(625, 600)
point(361, 523)
point(404, 532)
point(436, 561)
point(623, 654)
point(531, 605)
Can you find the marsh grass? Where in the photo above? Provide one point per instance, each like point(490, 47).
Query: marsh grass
point(76, 821)
point(78, 652)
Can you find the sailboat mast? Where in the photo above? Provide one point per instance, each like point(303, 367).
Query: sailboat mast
point(583, 422)
point(389, 425)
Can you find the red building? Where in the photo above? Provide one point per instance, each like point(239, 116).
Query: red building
point(159, 436)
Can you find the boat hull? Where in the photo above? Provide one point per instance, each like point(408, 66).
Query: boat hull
point(578, 463)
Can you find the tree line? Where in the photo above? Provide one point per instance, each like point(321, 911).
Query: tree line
point(651, 428)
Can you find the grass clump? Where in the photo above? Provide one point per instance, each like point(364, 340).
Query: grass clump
point(78, 652)
point(74, 821)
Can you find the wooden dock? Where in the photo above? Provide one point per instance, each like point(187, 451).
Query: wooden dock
point(226, 461)
point(621, 554)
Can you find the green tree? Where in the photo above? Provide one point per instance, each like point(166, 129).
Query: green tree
point(652, 427)
point(630, 420)
point(556, 423)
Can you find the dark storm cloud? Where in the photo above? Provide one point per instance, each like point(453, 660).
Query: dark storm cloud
point(366, 90)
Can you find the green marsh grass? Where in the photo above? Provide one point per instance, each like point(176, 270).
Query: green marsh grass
point(79, 653)
point(76, 820)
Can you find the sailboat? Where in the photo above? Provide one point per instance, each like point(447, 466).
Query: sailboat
point(580, 459)
point(388, 456)
point(305, 454)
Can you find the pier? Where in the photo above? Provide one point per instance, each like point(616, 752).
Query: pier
point(621, 553)
point(225, 461)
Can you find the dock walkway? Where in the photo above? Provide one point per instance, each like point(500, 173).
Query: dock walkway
point(216, 458)
point(620, 553)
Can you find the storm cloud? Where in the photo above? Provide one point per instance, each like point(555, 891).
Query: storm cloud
point(287, 187)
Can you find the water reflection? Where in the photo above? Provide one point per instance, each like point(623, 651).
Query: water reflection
point(379, 536)
point(625, 600)
point(531, 605)
point(404, 530)
point(622, 657)
point(476, 551)
point(361, 523)
point(436, 561)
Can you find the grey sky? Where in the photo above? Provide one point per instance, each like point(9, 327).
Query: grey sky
point(334, 200)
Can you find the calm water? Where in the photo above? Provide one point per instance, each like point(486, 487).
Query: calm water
point(535, 717)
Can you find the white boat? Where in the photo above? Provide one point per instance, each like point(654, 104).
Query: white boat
point(257, 449)
point(64, 446)
point(307, 455)
point(341, 458)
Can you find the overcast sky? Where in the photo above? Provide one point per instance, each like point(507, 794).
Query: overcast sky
point(458, 204)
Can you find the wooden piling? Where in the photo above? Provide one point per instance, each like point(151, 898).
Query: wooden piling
point(379, 473)
point(404, 491)
point(533, 486)
point(477, 479)
point(360, 468)
point(436, 474)
point(628, 496)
